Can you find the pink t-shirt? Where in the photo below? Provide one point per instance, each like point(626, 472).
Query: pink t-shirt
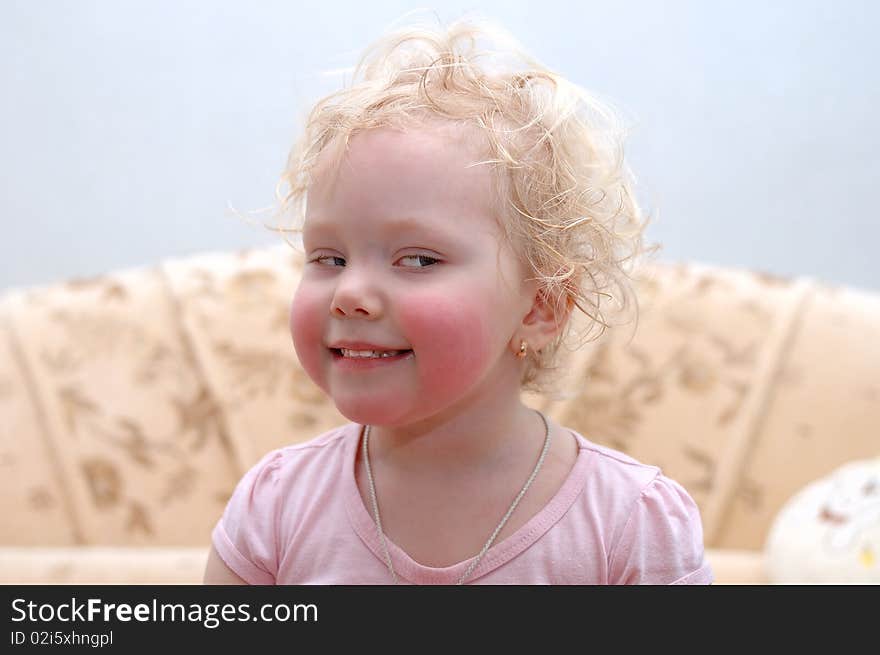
point(297, 517)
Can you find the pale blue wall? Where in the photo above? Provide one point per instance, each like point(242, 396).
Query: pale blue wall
point(127, 127)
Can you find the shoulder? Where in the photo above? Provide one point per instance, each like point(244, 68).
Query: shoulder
point(247, 535)
point(653, 529)
point(296, 460)
point(314, 463)
point(613, 472)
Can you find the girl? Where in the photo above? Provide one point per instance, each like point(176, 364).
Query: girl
point(457, 216)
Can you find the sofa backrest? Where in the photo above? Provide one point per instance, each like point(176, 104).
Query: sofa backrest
point(131, 403)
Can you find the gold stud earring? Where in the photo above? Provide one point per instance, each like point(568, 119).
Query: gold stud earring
point(522, 349)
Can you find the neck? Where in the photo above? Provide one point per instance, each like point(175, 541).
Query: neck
point(474, 439)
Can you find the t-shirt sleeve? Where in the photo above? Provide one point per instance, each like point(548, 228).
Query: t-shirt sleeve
point(245, 536)
point(662, 541)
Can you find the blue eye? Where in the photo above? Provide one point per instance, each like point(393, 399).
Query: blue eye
point(421, 258)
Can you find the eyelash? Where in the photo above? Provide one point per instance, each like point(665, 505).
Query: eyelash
point(433, 259)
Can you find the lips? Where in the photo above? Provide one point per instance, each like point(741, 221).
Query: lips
point(353, 364)
point(362, 345)
point(396, 351)
point(337, 346)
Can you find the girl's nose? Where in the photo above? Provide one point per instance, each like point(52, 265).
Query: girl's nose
point(354, 297)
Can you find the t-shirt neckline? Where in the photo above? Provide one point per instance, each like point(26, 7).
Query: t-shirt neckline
point(501, 552)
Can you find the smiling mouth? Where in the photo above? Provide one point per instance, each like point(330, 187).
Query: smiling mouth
point(337, 352)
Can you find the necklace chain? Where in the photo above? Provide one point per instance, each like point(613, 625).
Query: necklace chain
point(366, 455)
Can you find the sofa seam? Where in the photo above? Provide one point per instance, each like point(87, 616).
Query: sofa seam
point(31, 386)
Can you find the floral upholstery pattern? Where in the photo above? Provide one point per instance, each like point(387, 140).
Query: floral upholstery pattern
point(740, 385)
point(132, 402)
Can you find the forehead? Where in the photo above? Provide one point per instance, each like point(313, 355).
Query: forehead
point(432, 172)
point(432, 138)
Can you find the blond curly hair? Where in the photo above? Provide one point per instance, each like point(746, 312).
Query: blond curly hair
point(565, 195)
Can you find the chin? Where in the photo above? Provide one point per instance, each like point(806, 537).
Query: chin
point(368, 412)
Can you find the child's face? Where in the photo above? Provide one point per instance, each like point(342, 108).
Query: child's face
point(403, 252)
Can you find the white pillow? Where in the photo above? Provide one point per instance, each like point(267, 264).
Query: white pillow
point(829, 532)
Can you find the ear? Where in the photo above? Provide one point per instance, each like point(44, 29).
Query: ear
point(543, 323)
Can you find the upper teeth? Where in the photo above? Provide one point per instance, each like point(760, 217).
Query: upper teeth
point(369, 353)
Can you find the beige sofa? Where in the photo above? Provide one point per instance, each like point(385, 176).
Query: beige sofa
point(131, 403)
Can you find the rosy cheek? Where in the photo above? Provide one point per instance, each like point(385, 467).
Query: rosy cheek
point(307, 315)
point(450, 337)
